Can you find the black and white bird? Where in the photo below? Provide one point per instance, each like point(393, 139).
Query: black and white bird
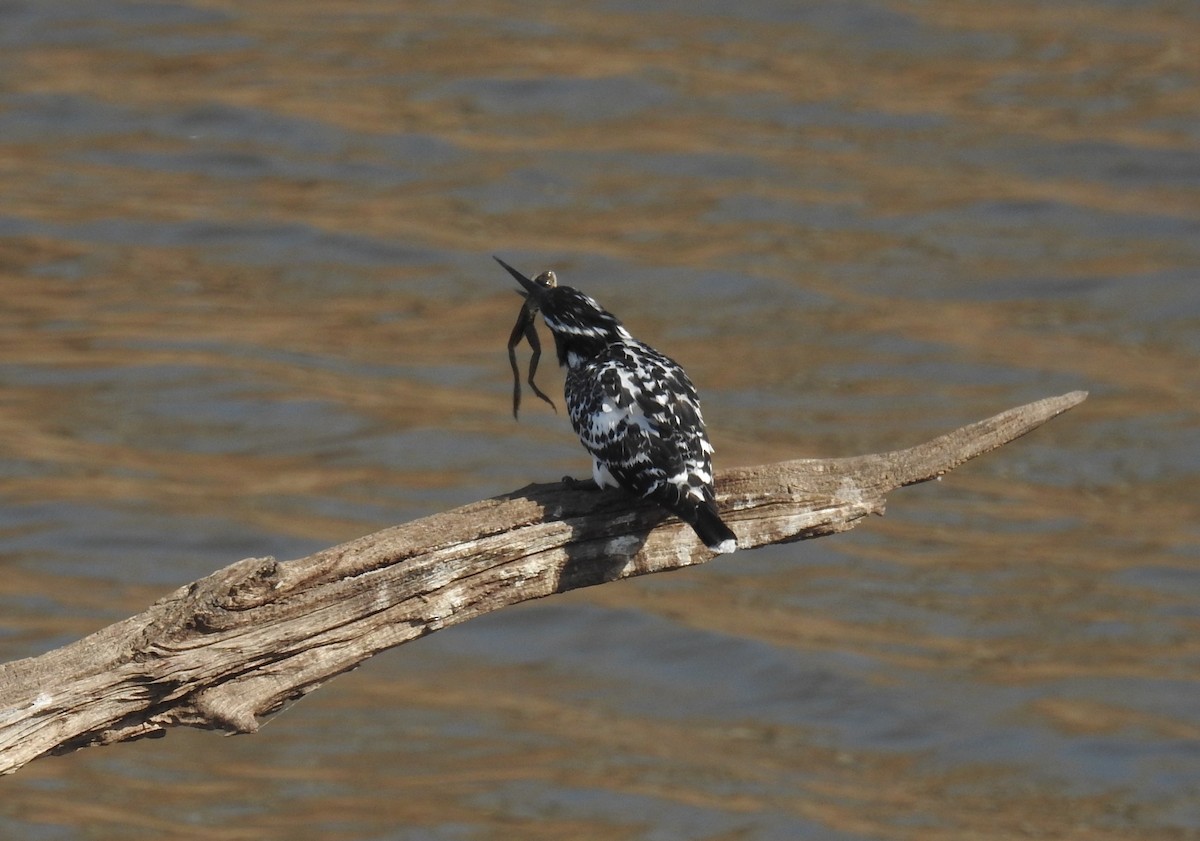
point(635, 410)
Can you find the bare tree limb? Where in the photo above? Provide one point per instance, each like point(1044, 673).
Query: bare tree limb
point(238, 644)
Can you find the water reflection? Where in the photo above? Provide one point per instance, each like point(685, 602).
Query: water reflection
point(249, 309)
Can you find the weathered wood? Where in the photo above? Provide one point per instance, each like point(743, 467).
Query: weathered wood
point(236, 645)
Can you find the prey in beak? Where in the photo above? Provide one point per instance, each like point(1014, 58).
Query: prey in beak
point(526, 328)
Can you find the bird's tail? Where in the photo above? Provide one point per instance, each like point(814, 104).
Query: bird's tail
point(710, 528)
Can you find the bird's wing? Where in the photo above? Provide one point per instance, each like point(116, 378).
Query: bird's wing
point(640, 417)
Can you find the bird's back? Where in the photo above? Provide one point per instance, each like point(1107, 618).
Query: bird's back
point(637, 413)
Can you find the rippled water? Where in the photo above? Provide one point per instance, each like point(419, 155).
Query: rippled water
point(249, 309)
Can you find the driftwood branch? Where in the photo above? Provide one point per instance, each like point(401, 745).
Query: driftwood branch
point(224, 651)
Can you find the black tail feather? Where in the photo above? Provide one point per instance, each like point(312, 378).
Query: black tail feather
point(711, 529)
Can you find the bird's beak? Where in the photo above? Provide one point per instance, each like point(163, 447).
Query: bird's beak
point(531, 288)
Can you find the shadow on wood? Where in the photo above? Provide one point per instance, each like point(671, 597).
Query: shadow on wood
point(223, 651)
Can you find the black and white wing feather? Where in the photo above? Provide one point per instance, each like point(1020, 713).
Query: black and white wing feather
point(637, 413)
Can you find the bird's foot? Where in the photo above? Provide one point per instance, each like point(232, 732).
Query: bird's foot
point(573, 484)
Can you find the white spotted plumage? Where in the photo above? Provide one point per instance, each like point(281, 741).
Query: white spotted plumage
point(635, 411)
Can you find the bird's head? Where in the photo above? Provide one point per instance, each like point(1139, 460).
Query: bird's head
point(582, 328)
point(578, 323)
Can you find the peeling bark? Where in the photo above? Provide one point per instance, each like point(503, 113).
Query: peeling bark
point(222, 652)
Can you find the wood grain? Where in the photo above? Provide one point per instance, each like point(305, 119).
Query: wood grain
point(224, 651)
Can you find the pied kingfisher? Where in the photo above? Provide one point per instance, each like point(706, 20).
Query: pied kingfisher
point(635, 410)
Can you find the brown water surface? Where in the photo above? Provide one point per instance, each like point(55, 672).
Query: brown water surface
point(249, 309)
